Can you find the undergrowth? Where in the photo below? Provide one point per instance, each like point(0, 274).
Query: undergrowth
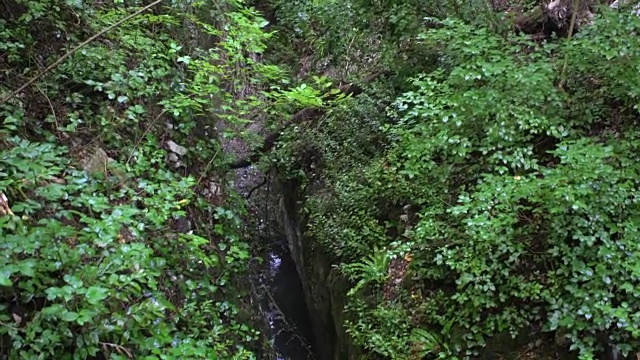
point(482, 203)
point(121, 232)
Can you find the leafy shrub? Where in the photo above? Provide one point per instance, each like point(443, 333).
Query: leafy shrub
point(84, 265)
point(526, 194)
point(92, 265)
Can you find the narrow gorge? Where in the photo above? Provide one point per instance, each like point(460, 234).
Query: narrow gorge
point(319, 179)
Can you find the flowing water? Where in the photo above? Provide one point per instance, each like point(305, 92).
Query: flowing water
point(282, 299)
point(283, 303)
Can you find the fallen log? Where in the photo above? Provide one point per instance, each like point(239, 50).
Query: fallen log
point(555, 17)
point(620, 4)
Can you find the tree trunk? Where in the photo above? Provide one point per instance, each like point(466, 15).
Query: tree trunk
point(554, 17)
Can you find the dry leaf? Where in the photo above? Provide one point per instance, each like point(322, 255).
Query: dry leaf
point(4, 205)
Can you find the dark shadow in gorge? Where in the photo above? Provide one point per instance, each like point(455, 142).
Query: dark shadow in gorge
point(285, 307)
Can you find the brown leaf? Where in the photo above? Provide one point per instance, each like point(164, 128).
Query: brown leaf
point(4, 205)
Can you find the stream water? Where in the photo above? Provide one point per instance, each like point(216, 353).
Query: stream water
point(283, 303)
point(282, 299)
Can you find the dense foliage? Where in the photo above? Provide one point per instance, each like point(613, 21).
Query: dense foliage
point(503, 177)
point(117, 242)
point(480, 191)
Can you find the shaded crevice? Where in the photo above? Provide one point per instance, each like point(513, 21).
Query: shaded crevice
point(285, 307)
point(314, 270)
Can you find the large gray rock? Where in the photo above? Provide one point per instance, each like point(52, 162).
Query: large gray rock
point(175, 148)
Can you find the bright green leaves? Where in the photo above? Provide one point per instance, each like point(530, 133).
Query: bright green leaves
point(69, 316)
point(576, 203)
point(605, 55)
point(96, 294)
point(245, 34)
point(18, 163)
point(303, 96)
point(104, 265)
point(66, 293)
point(529, 211)
point(372, 269)
point(488, 102)
point(91, 260)
point(5, 278)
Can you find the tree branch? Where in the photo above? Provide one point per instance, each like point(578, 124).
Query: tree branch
point(271, 139)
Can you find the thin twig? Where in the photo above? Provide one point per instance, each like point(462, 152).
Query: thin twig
point(263, 183)
point(65, 56)
point(55, 118)
point(206, 168)
point(289, 326)
point(119, 348)
point(563, 75)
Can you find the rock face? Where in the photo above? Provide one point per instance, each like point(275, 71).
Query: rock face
point(325, 289)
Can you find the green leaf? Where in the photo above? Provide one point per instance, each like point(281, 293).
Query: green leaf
point(95, 294)
point(69, 316)
point(27, 268)
point(184, 59)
